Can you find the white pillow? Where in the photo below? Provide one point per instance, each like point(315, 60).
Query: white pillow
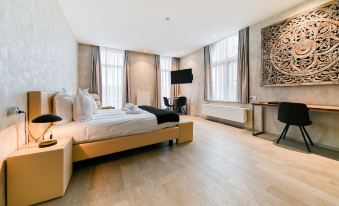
point(82, 107)
point(93, 103)
point(63, 107)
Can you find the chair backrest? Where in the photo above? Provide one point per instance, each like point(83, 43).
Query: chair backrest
point(181, 101)
point(166, 101)
point(293, 114)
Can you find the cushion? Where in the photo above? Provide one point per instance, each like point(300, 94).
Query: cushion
point(63, 107)
point(82, 107)
point(96, 99)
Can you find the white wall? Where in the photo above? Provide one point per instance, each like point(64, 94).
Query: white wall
point(324, 131)
point(37, 52)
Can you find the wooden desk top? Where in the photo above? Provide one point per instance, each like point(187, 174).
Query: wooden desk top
point(310, 106)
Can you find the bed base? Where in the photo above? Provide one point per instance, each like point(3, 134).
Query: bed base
point(182, 133)
point(41, 103)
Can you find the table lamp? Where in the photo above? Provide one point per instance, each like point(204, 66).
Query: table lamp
point(47, 118)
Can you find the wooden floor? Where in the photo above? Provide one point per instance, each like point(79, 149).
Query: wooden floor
point(222, 166)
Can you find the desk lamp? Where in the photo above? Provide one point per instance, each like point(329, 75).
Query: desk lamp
point(47, 118)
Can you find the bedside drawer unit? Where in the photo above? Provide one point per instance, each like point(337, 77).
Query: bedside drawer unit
point(38, 174)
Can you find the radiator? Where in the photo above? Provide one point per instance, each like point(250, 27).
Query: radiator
point(144, 98)
point(235, 114)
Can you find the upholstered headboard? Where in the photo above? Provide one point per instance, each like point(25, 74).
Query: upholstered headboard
point(39, 103)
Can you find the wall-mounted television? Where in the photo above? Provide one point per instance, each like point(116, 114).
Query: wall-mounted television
point(182, 76)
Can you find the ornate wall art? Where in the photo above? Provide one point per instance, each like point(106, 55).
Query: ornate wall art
point(302, 50)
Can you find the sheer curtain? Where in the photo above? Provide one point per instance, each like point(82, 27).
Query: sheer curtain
point(175, 88)
point(112, 75)
point(224, 74)
point(165, 70)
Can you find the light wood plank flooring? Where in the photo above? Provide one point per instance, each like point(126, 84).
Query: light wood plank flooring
point(222, 166)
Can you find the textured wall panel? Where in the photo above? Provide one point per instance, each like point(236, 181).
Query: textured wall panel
point(37, 52)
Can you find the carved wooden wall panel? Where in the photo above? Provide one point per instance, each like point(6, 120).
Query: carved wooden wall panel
point(302, 50)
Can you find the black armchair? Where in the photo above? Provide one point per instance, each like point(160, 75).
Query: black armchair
point(167, 104)
point(180, 103)
point(294, 114)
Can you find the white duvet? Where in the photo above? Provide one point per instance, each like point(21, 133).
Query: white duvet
point(107, 124)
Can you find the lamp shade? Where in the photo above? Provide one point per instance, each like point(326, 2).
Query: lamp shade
point(46, 118)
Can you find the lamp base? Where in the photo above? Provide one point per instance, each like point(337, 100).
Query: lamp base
point(48, 143)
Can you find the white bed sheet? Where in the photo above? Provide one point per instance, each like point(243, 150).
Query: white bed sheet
point(107, 124)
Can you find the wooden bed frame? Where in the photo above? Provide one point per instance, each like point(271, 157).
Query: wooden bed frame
point(42, 102)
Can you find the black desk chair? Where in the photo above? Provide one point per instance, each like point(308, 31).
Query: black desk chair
point(294, 114)
point(167, 104)
point(180, 103)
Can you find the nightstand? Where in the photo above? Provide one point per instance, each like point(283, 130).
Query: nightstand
point(38, 174)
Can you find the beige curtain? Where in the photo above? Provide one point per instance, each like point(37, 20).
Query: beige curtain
point(96, 72)
point(243, 66)
point(157, 92)
point(127, 93)
point(175, 88)
point(207, 67)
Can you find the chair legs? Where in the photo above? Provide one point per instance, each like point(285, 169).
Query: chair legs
point(302, 133)
point(308, 136)
point(183, 109)
point(283, 134)
point(287, 127)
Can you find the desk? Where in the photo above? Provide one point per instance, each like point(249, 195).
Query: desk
point(266, 104)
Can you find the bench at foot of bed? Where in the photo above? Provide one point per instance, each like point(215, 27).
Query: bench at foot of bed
point(185, 132)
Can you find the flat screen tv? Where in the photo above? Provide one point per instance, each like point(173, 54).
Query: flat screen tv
point(182, 76)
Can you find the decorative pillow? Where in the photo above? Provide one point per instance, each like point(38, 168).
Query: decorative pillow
point(63, 107)
point(82, 107)
point(96, 99)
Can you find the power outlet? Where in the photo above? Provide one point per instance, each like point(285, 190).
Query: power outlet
point(13, 110)
point(253, 98)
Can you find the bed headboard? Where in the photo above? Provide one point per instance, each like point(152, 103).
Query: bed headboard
point(39, 103)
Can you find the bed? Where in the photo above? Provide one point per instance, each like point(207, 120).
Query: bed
point(106, 134)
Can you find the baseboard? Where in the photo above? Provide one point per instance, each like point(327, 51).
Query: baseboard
point(223, 121)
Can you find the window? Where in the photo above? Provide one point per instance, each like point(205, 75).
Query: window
point(223, 57)
point(165, 70)
point(112, 65)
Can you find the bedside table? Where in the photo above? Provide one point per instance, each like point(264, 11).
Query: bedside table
point(38, 174)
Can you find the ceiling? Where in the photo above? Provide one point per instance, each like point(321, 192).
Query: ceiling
point(140, 25)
